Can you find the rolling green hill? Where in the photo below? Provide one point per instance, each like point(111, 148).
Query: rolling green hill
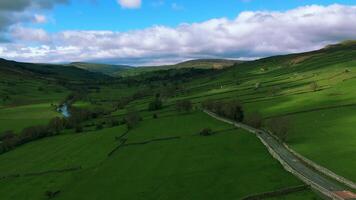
point(101, 68)
point(162, 154)
point(197, 64)
point(49, 71)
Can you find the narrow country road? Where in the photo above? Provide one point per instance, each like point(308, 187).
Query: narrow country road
point(330, 188)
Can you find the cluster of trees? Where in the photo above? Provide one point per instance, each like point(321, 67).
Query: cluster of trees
point(254, 119)
point(132, 119)
point(230, 109)
point(10, 140)
point(156, 104)
point(281, 127)
point(184, 106)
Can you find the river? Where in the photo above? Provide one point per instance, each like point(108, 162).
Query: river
point(63, 109)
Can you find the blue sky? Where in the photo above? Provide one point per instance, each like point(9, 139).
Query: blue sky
point(108, 15)
point(154, 32)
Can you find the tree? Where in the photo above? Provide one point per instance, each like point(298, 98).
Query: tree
point(184, 106)
point(281, 127)
point(233, 110)
point(230, 109)
point(156, 104)
point(56, 125)
point(132, 118)
point(255, 120)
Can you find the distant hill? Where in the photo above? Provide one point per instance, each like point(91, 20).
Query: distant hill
point(101, 68)
point(48, 71)
point(24, 83)
point(197, 64)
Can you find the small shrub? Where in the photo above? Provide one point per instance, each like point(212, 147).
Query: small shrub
point(314, 86)
point(99, 126)
point(206, 132)
point(155, 116)
point(184, 106)
point(78, 129)
point(257, 85)
point(50, 194)
point(155, 105)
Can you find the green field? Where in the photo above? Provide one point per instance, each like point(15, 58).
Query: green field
point(230, 164)
point(313, 90)
point(20, 117)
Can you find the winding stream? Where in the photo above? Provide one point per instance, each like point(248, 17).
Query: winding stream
point(63, 109)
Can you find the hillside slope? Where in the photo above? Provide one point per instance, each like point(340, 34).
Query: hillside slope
point(196, 64)
point(101, 68)
point(48, 71)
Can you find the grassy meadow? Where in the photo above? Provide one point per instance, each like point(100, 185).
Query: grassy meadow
point(163, 156)
point(230, 164)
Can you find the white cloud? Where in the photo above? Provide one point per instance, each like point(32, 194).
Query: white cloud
point(131, 4)
point(249, 35)
point(39, 19)
point(30, 35)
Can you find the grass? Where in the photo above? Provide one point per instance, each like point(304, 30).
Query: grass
point(19, 117)
point(230, 164)
point(331, 131)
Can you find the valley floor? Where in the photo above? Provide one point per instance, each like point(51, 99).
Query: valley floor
point(230, 164)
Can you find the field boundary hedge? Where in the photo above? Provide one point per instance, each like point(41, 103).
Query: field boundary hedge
point(313, 110)
point(41, 173)
point(153, 140)
point(276, 193)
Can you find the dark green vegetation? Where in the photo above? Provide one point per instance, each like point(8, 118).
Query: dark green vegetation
point(110, 70)
point(196, 64)
point(144, 136)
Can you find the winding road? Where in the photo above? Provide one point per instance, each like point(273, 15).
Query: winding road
point(330, 188)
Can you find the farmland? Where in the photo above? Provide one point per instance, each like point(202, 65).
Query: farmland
point(123, 147)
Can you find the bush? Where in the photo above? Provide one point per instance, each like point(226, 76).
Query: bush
point(112, 122)
point(78, 129)
point(132, 118)
point(7, 134)
point(56, 125)
point(184, 106)
point(206, 132)
point(314, 86)
point(155, 116)
point(34, 132)
point(255, 120)
point(155, 105)
point(99, 126)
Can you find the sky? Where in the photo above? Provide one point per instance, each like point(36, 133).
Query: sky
point(154, 32)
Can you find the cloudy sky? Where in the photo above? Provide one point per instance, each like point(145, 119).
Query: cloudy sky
point(146, 32)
